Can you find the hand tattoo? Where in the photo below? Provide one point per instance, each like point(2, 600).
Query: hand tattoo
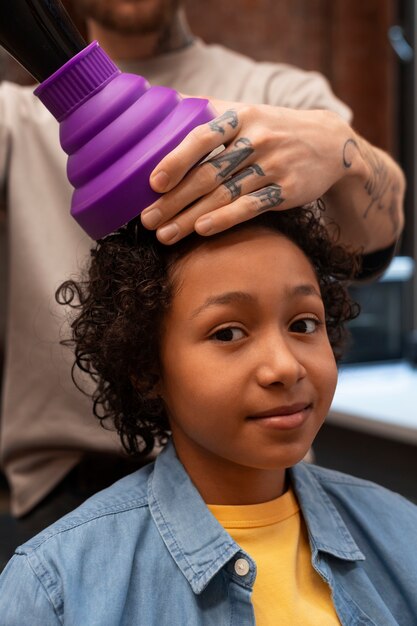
point(347, 163)
point(228, 117)
point(270, 197)
point(233, 184)
point(229, 160)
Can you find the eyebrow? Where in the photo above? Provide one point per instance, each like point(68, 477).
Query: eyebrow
point(229, 297)
point(304, 290)
point(236, 297)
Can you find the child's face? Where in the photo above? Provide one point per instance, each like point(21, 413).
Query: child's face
point(248, 373)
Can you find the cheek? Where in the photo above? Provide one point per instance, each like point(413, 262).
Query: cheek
point(194, 385)
point(325, 377)
point(181, 375)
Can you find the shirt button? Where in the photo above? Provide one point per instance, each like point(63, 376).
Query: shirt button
point(241, 567)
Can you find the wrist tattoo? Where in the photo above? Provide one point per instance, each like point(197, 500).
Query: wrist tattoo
point(233, 184)
point(270, 197)
point(228, 117)
point(378, 184)
point(382, 191)
point(228, 161)
point(393, 209)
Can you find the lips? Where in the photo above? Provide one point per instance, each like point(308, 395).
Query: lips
point(281, 411)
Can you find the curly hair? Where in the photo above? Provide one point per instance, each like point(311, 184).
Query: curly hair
point(119, 306)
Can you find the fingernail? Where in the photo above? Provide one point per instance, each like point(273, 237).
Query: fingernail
point(151, 218)
point(168, 233)
point(204, 226)
point(160, 181)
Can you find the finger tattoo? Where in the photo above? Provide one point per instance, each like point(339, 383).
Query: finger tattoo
point(227, 162)
point(233, 184)
point(270, 197)
point(228, 117)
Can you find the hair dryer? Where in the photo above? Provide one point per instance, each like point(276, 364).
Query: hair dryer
point(114, 127)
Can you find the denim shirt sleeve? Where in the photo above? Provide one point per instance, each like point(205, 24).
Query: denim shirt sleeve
point(23, 599)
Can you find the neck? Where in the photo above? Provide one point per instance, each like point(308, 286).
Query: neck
point(126, 47)
point(220, 481)
point(239, 488)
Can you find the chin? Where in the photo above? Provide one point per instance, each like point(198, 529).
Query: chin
point(284, 458)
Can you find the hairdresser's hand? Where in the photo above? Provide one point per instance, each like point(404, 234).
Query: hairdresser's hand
point(274, 159)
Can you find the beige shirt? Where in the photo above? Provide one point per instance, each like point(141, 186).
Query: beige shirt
point(47, 424)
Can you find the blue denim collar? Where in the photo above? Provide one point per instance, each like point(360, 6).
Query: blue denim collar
point(327, 530)
point(199, 544)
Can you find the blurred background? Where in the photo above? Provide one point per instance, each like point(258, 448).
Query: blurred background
point(365, 49)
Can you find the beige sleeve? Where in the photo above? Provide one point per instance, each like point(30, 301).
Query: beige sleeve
point(288, 86)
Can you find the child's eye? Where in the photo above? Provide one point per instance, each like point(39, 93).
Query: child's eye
point(231, 333)
point(306, 325)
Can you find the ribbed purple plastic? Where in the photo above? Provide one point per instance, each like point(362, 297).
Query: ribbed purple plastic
point(76, 81)
point(115, 129)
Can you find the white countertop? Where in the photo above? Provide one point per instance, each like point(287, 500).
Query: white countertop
point(379, 399)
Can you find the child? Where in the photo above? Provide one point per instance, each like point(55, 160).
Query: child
point(221, 350)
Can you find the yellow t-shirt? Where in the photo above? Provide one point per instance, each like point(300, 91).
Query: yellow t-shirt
point(287, 590)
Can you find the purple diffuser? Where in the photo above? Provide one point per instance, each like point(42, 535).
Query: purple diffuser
point(114, 127)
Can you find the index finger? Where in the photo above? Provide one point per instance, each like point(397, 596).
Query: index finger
point(200, 142)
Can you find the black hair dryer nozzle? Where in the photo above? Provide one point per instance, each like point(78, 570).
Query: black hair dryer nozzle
point(39, 34)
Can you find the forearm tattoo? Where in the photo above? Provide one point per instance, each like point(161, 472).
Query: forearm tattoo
point(270, 197)
point(228, 161)
point(228, 118)
point(383, 192)
point(233, 184)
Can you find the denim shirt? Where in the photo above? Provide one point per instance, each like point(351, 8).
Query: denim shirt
point(148, 552)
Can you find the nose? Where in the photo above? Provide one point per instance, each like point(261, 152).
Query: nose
point(278, 363)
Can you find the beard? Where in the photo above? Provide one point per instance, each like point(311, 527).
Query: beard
point(129, 17)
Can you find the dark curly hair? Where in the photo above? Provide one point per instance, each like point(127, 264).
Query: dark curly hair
point(121, 301)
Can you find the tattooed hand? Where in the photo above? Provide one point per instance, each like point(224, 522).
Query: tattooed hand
point(266, 158)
